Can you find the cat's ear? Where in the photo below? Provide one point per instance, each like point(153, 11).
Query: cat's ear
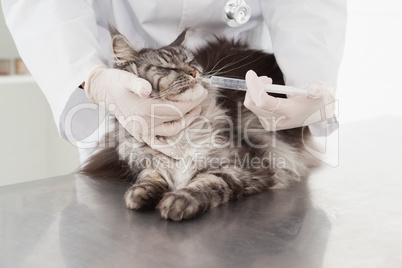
point(181, 39)
point(123, 51)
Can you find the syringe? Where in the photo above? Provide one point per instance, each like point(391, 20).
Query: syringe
point(324, 128)
point(240, 84)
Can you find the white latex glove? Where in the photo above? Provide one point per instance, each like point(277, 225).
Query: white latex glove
point(278, 113)
point(126, 96)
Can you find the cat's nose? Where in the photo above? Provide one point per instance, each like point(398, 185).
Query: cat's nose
point(192, 74)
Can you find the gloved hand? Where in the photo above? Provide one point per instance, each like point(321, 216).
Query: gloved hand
point(278, 113)
point(126, 96)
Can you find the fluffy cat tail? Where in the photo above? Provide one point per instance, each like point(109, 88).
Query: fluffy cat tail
point(106, 165)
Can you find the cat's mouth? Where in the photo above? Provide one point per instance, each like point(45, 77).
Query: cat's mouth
point(191, 94)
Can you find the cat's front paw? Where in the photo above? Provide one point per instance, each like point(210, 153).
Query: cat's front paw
point(142, 197)
point(178, 205)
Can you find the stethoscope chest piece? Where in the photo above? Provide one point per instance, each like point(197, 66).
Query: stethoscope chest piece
point(236, 13)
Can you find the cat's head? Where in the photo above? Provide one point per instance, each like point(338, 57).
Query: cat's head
point(172, 70)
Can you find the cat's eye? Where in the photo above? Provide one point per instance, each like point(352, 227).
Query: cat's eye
point(192, 73)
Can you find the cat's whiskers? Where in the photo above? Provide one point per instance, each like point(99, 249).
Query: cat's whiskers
point(224, 69)
point(230, 64)
point(168, 92)
point(221, 61)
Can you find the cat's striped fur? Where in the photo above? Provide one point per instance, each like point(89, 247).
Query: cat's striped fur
point(220, 160)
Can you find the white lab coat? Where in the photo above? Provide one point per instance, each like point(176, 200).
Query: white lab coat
point(61, 41)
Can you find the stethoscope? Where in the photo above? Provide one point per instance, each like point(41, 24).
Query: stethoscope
point(236, 13)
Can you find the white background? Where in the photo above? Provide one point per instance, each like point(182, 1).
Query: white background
point(370, 79)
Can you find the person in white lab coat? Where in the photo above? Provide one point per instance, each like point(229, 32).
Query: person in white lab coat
point(63, 43)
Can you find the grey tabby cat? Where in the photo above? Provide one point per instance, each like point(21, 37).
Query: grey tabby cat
point(226, 154)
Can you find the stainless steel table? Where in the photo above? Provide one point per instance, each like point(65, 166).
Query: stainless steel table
point(348, 216)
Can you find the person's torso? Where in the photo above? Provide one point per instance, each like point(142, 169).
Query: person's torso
point(155, 23)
